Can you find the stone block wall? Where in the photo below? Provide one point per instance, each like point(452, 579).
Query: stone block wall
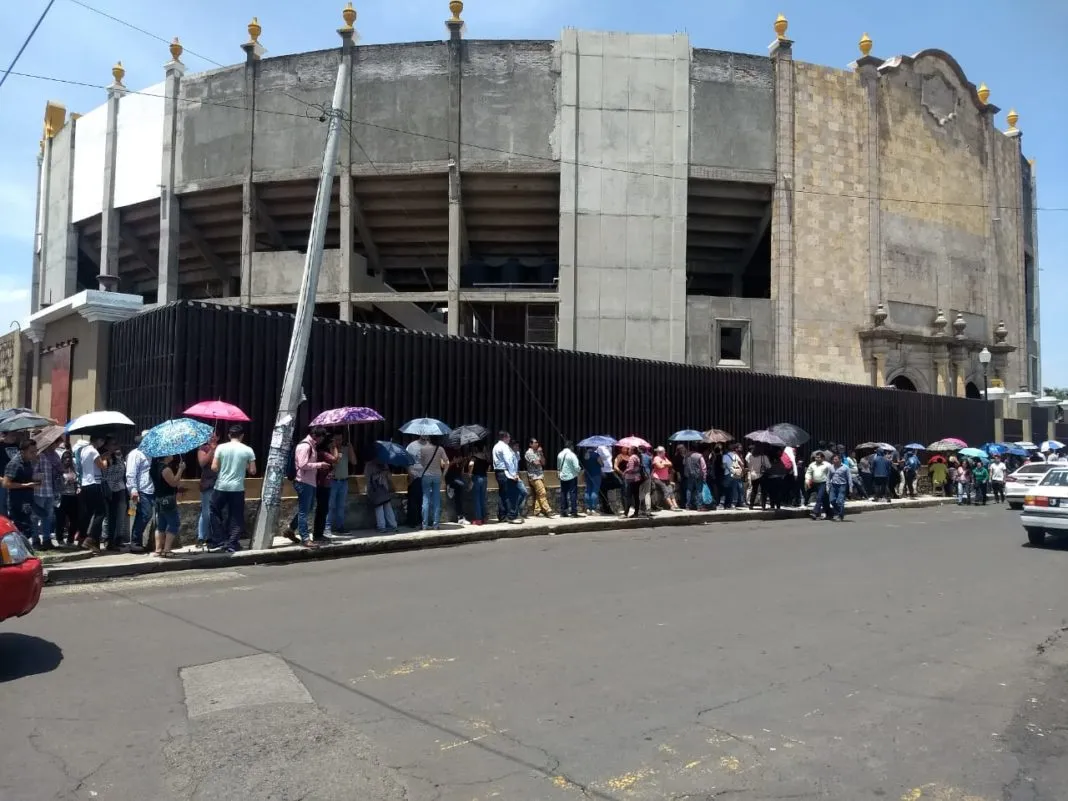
point(830, 224)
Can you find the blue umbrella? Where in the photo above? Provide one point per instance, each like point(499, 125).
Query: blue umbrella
point(995, 448)
point(598, 441)
point(392, 453)
point(915, 446)
point(1021, 452)
point(1050, 445)
point(974, 453)
point(687, 435)
point(425, 427)
point(174, 437)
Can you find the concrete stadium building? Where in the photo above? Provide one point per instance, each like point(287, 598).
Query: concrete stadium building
point(630, 195)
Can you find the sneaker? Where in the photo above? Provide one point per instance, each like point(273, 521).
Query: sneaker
point(476, 522)
point(463, 521)
point(515, 521)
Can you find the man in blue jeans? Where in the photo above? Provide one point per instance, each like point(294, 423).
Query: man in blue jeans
point(307, 477)
point(233, 461)
point(507, 479)
point(839, 486)
point(142, 492)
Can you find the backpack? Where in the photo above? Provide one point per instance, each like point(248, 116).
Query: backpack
point(786, 462)
point(645, 463)
point(737, 471)
point(291, 464)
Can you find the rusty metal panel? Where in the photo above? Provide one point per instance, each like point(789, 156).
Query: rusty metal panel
point(167, 359)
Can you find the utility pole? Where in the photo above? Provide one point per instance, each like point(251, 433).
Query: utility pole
point(282, 435)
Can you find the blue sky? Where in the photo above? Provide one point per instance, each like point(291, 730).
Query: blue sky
point(1014, 47)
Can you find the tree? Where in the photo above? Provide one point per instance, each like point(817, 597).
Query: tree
point(1060, 393)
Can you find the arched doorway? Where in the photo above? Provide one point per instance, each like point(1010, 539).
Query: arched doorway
point(972, 391)
point(903, 382)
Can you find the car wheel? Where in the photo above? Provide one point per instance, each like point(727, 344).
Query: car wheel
point(1016, 507)
point(1036, 536)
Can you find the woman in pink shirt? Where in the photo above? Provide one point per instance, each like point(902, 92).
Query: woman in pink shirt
point(662, 477)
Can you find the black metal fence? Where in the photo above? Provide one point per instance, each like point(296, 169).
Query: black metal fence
point(165, 360)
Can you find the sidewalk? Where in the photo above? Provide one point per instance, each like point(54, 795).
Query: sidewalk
point(75, 567)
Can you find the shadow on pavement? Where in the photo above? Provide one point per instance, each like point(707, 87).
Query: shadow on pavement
point(23, 655)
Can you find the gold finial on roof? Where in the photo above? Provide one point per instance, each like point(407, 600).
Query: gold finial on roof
point(1012, 118)
point(984, 93)
point(865, 45)
point(781, 24)
point(254, 30)
point(457, 8)
point(176, 49)
point(349, 15)
point(118, 72)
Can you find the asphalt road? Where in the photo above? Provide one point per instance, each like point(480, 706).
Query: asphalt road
point(910, 655)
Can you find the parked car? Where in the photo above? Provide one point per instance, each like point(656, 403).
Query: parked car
point(1046, 506)
point(1019, 483)
point(21, 573)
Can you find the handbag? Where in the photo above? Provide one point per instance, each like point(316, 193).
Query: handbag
point(706, 495)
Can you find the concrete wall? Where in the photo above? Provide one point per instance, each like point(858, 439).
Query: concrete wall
point(508, 104)
point(624, 132)
point(830, 224)
point(211, 138)
point(404, 90)
point(59, 269)
point(733, 111)
point(88, 369)
point(87, 196)
point(281, 272)
point(139, 163)
point(703, 315)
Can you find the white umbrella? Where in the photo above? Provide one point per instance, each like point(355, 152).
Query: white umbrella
point(98, 420)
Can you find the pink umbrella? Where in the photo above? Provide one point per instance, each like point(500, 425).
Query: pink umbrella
point(632, 442)
point(957, 441)
point(217, 410)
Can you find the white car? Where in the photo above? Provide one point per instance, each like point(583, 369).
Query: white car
point(1019, 483)
point(1046, 506)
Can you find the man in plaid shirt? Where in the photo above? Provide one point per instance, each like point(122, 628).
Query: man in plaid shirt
point(49, 477)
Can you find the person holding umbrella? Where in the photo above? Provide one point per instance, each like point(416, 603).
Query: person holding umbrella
point(166, 474)
point(379, 482)
point(90, 461)
point(19, 482)
point(47, 474)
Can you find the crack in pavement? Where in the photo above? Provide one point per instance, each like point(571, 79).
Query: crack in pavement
point(61, 764)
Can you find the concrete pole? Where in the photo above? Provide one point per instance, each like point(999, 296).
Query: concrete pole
point(455, 222)
point(347, 245)
point(169, 233)
point(249, 225)
point(282, 436)
point(109, 216)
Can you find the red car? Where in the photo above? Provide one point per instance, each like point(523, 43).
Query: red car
point(21, 573)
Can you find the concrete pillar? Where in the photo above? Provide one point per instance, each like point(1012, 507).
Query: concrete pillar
point(782, 225)
point(456, 54)
point(40, 214)
point(960, 370)
point(878, 377)
point(1021, 409)
point(567, 281)
point(253, 50)
point(109, 215)
point(867, 67)
point(1023, 373)
point(347, 244)
point(942, 382)
point(169, 233)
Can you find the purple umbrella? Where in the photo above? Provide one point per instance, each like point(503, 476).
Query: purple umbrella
point(346, 416)
point(766, 437)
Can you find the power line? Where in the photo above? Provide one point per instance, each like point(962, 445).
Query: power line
point(131, 26)
point(26, 42)
point(537, 157)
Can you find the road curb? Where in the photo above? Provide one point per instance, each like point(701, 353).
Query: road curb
point(96, 571)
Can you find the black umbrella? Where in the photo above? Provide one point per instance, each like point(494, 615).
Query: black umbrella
point(792, 435)
point(23, 421)
point(466, 435)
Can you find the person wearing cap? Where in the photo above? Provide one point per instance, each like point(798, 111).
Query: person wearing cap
point(142, 492)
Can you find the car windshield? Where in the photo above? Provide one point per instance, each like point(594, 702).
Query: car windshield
point(1035, 468)
point(1055, 478)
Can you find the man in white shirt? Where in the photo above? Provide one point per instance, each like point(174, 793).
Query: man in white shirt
point(90, 461)
point(998, 471)
point(142, 492)
point(816, 479)
point(506, 469)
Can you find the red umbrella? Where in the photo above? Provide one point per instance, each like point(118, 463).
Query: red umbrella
point(217, 410)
